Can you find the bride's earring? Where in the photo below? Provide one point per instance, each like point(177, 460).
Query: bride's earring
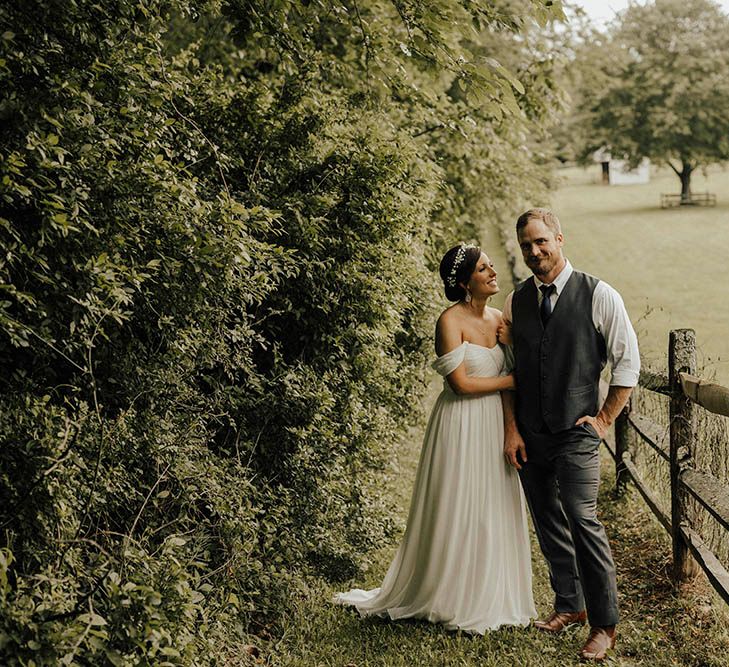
point(467, 298)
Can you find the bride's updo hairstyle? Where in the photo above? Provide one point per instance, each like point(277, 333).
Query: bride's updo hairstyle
point(456, 267)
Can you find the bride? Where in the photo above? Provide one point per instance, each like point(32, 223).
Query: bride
point(464, 560)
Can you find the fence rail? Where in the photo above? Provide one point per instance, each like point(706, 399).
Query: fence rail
point(710, 492)
point(651, 433)
point(710, 396)
point(655, 381)
point(707, 561)
point(676, 445)
point(647, 495)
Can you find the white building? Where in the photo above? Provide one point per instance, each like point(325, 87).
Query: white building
point(617, 172)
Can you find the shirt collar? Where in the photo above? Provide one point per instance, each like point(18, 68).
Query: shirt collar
point(561, 280)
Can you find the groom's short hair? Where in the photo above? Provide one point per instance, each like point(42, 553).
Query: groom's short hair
point(543, 214)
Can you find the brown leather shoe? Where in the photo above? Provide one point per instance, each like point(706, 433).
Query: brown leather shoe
point(600, 641)
point(559, 620)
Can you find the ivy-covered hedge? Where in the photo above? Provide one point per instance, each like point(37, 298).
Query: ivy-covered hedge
point(217, 298)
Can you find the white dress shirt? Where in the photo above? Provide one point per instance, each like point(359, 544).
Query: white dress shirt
point(610, 319)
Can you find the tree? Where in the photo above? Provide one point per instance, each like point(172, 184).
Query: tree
point(216, 300)
point(662, 90)
point(580, 78)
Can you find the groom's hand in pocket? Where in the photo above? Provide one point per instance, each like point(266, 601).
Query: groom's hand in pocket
point(514, 448)
point(597, 424)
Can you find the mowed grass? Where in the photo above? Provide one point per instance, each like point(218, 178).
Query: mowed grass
point(670, 265)
point(659, 627)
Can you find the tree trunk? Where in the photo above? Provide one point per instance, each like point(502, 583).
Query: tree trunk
point(685, 177)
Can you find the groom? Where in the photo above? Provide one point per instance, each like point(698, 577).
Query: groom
point(565, 326)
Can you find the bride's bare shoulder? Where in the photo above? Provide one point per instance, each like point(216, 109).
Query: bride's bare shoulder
point(450, 316)
point(448, 330)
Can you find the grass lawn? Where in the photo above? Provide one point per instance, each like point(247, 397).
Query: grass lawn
point(670, 265)
point(659, 628)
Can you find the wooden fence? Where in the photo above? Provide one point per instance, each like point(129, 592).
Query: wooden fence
point(676, 446)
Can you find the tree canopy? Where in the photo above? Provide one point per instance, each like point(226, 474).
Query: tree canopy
point(656, 86)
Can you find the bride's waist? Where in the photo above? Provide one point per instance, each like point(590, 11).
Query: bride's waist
point(449, 391)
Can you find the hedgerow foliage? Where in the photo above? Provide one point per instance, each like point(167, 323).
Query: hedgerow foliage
point(218, 225)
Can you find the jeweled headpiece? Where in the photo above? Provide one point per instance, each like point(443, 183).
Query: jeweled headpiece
point(460, 256)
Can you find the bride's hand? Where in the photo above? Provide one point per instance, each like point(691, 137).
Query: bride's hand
point(509, 382)
point(503, 333)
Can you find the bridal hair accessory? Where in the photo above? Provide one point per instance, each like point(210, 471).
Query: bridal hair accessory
point(460, 256)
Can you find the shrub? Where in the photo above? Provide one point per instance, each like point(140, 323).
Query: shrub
point(218, 296)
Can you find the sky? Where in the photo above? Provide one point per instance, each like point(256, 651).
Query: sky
point(601, 11)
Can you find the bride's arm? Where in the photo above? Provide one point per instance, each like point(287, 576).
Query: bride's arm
point(448, 338)
point(467, 385)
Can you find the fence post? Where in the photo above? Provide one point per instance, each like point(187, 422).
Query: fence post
point(622, 446)
point(681, 359)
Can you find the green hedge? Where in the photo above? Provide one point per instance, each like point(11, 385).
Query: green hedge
point(217, 304)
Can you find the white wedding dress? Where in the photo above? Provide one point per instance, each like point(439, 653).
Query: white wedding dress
point(464, 560)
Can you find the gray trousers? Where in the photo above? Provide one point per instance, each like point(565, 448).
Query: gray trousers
point(560, 481)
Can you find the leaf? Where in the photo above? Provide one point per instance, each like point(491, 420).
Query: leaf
point(92, 619)
point(114, 657)
point(518, 85)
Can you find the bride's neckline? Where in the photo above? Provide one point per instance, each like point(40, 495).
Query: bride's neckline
point(485, 347)
point(468, 342)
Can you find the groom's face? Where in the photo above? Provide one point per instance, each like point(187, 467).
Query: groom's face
point(540, 247)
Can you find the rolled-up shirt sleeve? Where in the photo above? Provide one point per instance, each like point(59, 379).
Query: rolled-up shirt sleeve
point(611, 319)
point(506, 313)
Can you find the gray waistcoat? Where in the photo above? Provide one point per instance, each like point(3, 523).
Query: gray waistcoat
point(557, 367)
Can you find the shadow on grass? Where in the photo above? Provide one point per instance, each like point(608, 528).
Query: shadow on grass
point(660, 627)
